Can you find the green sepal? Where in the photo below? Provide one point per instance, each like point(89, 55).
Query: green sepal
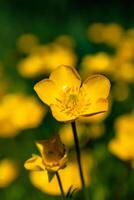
point(50, 175)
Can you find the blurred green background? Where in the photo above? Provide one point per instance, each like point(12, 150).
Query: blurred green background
point(44, 22)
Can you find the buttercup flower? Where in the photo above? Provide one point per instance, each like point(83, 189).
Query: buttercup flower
point(15, 114)
point(44, 58)
point(9, 172)
point(110, 34)
point(97, 63)
point(53, 155)
point(123, 144)
point(68, 99)
point(69, 176)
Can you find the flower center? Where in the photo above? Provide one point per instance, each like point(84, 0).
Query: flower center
point(72, 101)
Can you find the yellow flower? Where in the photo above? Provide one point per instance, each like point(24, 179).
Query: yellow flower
point(9, 172)
point(15, 114)
point(66, 134)
point(30, 66)
point(95, 32)
point(27, 42)
point(94, 130)
point(113, 34)
point(69, 176)
point(125, 70)
point(53, 155)
point(44, 58)
point(65, 41)
point(121, 91)
point(110, 34)
point(123, 144)
point(97, 63)
point(69, 100)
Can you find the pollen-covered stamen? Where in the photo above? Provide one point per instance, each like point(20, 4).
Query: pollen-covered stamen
point(72, 101)
point(67, 99)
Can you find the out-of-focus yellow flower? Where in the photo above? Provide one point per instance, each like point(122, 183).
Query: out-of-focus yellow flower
point(110, 34)
point(97, 63)
point(113, 34)
point(123, 144)
point(66, 134)
point(9, 172)
point(122, 63)
point(56, 55)
point(30, 66)
point(95, 32)
point(65, 40)
point(22, 113)
point(120, 91)
point(53, 155)
point(130, 33)
point(125, 51)
point(69, 100)
point(15, 114)
point(95, 130)
point(85, 132)
point(69, 176)
point(44, 58)
point(27, 42)
point(123, 71)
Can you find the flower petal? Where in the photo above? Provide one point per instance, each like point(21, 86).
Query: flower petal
point(96, 87)
point(34, 163)
point(65, 76)
point(53, 153)
point(52, 150)
point(96, 107)
point(46, 90)
point(59, 115)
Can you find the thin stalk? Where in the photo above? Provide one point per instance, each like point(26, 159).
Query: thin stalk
point(77, 148)
point(60, 186)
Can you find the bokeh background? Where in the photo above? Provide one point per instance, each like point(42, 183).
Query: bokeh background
point(94, 37)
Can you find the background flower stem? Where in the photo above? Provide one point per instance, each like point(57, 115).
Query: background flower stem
point(77, 148)
point(60, 185)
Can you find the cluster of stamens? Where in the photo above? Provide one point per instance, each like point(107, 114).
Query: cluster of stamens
point(73, 101)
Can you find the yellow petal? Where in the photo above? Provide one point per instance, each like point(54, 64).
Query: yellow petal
point(97, 107)
point(46, 90)
point(34, 163)
point(60, 115)
point(53, 153)
point(96, 87)
point(65, 76)
point(51, 149)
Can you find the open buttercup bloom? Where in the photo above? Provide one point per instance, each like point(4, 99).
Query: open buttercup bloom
point(53, 155)
point(68, 98)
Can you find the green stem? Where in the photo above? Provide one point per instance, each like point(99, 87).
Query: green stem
point(60, 185)
point(77, 148)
